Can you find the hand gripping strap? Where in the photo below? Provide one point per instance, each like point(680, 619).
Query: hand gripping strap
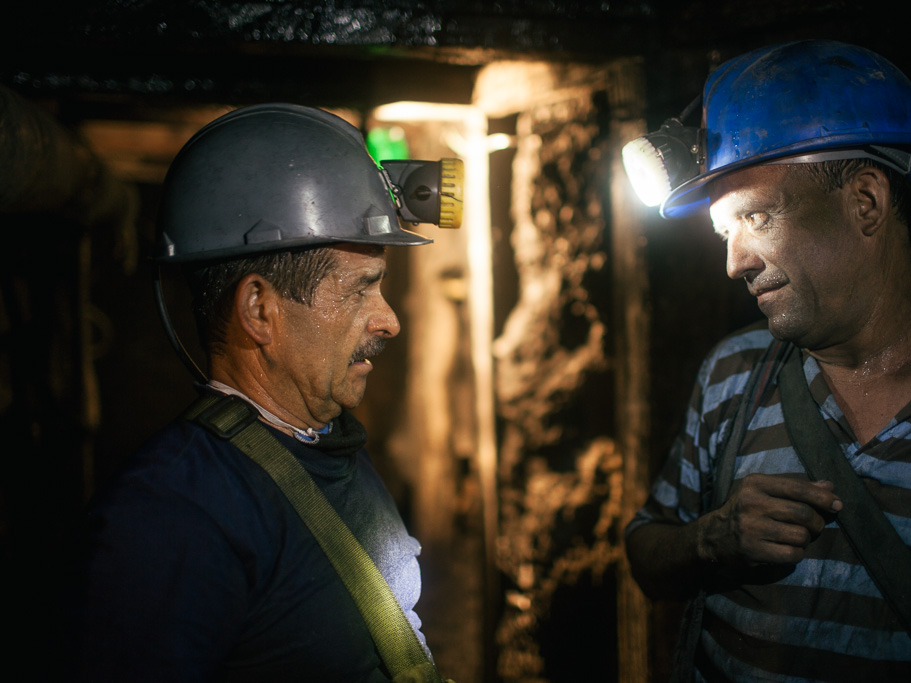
point(393, 635)
point(871, 535)
point(761, 376)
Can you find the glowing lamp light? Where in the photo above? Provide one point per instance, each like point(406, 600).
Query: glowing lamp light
point(646, 171)
point(660, 162)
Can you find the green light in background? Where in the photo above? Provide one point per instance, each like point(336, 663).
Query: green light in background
point(387, 143)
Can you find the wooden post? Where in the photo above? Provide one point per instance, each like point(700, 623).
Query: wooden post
point(632, 330)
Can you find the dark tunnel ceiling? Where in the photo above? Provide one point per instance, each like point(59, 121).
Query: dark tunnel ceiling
point(362, 53)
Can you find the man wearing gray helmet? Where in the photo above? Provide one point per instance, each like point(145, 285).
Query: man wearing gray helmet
point(784, 511)
point(206, 560)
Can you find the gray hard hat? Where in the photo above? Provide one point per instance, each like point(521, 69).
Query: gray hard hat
point(273, 177)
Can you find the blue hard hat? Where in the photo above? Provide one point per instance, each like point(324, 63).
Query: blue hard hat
point(792, 99)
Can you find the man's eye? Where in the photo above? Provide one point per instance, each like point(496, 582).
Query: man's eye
point(756, 219)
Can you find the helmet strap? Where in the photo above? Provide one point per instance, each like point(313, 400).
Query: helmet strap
point(182, 352)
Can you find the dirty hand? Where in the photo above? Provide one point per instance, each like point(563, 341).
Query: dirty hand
point(767, 519)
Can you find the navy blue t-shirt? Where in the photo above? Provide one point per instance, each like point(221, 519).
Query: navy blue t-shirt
point(196, 568)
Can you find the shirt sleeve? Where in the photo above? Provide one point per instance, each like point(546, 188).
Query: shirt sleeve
point(682, 491)
point(676, 495)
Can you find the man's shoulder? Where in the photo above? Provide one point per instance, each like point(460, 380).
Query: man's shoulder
point(181, 461)
point(737, 353)
point(178, 440)
point(195, 485)
point(749, 341)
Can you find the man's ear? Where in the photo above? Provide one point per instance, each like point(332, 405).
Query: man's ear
point(256, 306)
point(871, 198)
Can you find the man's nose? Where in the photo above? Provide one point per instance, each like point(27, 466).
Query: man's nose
point(742, 259)
point(384, 322)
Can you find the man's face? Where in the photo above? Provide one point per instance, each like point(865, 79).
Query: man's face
point(793, 245)
point(322, 350)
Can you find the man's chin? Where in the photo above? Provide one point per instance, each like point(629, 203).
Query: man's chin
point(350, 404)
point(783, 323)
point(786, 328)
point(353, 394)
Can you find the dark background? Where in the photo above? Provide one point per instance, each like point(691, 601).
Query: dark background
point(140, 59)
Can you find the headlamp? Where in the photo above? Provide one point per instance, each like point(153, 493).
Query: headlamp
point(658, 162)
point(427, 191)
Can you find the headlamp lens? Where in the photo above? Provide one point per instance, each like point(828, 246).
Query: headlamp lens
point(660, 162)
point(646, 170)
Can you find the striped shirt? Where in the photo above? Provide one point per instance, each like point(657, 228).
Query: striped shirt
point(821, 619)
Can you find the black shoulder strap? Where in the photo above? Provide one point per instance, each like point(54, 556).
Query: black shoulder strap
point(867, 529)
point(232, 418)
point(762, 374)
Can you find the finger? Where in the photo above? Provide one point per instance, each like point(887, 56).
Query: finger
point(759, 531)
point(837, 504)
point(818, 494)
point(801, 514)
point(779, 553)
point(776, 543)
point(793, 535)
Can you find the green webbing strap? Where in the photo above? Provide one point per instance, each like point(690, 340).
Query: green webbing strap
point(232, 418)
point(869, 532)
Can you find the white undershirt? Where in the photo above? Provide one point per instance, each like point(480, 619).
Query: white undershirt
point(308, 435)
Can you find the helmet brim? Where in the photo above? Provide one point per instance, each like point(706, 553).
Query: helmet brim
point(399, 238)
point(692, 197)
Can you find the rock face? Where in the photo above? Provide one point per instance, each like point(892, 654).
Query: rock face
point(561, 472)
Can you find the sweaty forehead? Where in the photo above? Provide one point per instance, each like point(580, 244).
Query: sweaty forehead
point(359, 262)
point(348, 254)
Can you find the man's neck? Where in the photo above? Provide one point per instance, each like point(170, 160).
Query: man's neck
point(871, 377)
point(878, 346)
point(236, 376)
point(309, 436)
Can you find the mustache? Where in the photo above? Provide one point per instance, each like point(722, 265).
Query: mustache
point(763, 283)
point(372, 347)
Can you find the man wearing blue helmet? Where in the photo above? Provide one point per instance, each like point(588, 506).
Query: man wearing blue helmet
point(784, 510)
point(251, 539)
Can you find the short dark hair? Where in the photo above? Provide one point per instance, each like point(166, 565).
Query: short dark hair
point(294, 274)
point(832, 175)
